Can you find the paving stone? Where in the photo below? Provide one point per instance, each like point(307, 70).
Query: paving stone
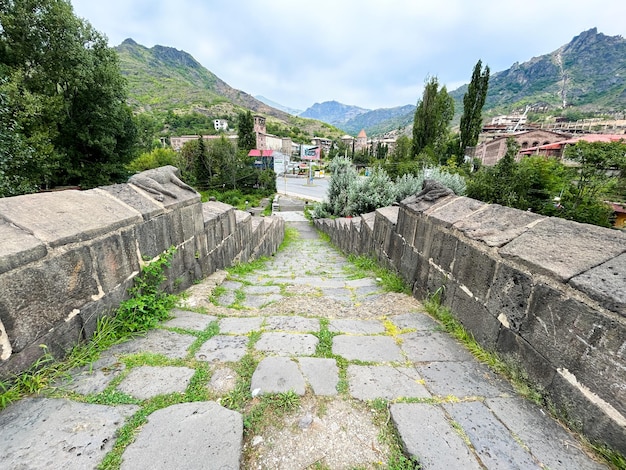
point(322, 374)
point(369, 382)
point(417, 321)
point(260, 301)
point(277, 375)
point(493, 442)
point(429, 347)
point(426, 434)
point(462, 379)
point(148, 381)
point(223, 348)
point(286, 344)
point(357, 327)
point(367, 348)
point(223, 380)
point(196, 435)
point(340, 295)
point(226, 299)
point(93, 378)
point(240, 326)
point(292, 324)
point(261, 290)
point(531, 424)
point(44, 433)
point(170, 344)
point(189, 320)
point(365, 282)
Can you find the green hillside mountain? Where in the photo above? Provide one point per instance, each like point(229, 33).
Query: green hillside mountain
point(162, 79)
point(382, 120)
point(587, 73)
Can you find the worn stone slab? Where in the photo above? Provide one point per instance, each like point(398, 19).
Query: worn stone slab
point(358, 283)
point(367, 348)
point(18, 247)
point(462, 379)
point(198, 295)
point(190, 436)
point(145, 205)
point(149, 381)
point(322, 374)
point(44, 433)
point(496, 225)
point(415, 321)
point(563, 248)
point(286, 344)
point(262, 290)
point(187, 320)
point(357, 327)
point(548, 441)
point(59, 218)
point(223, 348)
point(432, 346)
point(426, 434)
point(292, 324)
point(260, 301)
point(240, 325)
point(605, 283)
point(370, 382)
point(277, 375)
point(492, 441)
point(170, 344)
point(453, 210)
point(94, 378)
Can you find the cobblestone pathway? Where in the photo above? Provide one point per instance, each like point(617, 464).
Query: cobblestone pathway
point(354, 366)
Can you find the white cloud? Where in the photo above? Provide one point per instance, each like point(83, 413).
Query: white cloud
point(363, 52)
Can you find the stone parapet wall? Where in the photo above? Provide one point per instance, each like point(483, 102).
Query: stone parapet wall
point(548, 293)
point(68, 258)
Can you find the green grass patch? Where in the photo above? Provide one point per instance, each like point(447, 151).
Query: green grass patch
point(203, 336)
point(244, 269)
point(217, 292)
point(365, 266)
point(269, 409)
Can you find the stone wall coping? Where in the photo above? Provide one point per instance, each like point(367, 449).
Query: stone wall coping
point(63, 217)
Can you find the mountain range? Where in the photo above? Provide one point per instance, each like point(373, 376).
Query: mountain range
point(587, 74)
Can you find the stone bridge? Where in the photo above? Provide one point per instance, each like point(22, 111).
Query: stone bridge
point(546, 292)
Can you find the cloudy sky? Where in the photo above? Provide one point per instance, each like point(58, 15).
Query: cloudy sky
point(368, 53)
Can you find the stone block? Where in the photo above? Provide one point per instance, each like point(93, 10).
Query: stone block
point(408, 264)
point(462, 379)
point(33, 299)
point(474, 316)
point(443, 248)
point(426, 434)
point(322, 374)
point(147, 206)
point(367, 348)
point(495, 225)
point(149, 381)
point(577, 338)
point(453, 211)
point(93, 311)
point(605, 284)
point(277, 375)
point(390, 383)
point(153, 237)
point(116, 260)
point(563, 249)
point(592, 418)
point(473, 269)
point(532, 425)
point(521, 353)
point(43, 433)
point(494, 444)
point(407, 223)
point(63, 217)
point(423, 236)
point(200, 434)
point(509, 295)
point(18, 247)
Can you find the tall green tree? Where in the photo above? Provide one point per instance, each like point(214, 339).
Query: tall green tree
point(432, 118)
point(473, 102)
point(246, 137)
point(66, 93)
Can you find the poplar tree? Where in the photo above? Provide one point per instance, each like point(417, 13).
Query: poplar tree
point(246, 137)
point(432, 117)
point(473, 102)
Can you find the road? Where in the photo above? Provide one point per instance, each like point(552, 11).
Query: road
point(298, 187)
